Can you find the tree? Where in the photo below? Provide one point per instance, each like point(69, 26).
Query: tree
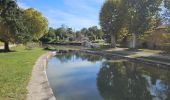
point(100, 34)
point(61, 32)
point(93, 31)
point(50, 36)
point(36, 23)
point(166, 14)
point(85, 32)
point(11, 23)
point(112, 16)
point(140, 12)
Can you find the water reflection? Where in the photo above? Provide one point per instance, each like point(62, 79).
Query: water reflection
point(77, 55)
point(72, 76)
point(132, 81)
point(80, 76)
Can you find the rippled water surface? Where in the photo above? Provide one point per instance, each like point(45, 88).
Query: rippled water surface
point(80, 76)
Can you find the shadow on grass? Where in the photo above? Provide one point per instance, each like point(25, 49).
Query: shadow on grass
point(3, 51)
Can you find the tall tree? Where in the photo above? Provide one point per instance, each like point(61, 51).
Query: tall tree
point(85, 31)
point(93, 31)
point(36, 23)
point(11, 26)
point(140, 12)
point(61, 32)
point(112, 16)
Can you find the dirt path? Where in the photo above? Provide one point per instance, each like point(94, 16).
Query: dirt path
point(38, 87)
point(142, 53)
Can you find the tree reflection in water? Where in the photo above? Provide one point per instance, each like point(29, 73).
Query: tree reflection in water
point(65, 57)
point(131, 81)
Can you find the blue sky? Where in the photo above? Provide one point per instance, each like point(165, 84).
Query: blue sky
point(73, 13)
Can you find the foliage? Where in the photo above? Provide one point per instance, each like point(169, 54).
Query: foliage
point(12, 28)
point(36, 24)
point(112, 17)
point(66, 34)
point(93, 33)
point(18, 25)
point(140, 13)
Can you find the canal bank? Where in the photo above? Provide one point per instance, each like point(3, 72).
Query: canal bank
point(118, 56)
point(38, 87)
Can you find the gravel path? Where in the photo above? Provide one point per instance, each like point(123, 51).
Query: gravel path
point(38, 87)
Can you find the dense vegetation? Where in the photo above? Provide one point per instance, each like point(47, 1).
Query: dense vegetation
point(135, 17)
point(66, 34)
point(18, 25)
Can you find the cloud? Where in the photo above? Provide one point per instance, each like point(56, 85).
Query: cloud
point(73, 13)
point(59, 17)
point(81, 13)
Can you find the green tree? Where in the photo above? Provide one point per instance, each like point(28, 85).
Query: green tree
point(93, 31)
point(61, 32)
point(36, 23)
point(12, 28)
point(112, 17)
point(50, 36)
point(140, 13)
point(85, 32)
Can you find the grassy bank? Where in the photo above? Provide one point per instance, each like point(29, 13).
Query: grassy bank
point(15, 72)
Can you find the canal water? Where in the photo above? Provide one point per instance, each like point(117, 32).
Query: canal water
point(81, 76)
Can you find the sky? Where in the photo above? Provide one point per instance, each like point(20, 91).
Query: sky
point(76, 14)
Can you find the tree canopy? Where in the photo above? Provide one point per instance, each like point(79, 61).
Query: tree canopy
point(112, 17)
point(137, 16)
point(36, 23)
point(11, 23)
point(18, 25)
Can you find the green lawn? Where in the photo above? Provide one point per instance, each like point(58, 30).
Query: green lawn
point(15, 72)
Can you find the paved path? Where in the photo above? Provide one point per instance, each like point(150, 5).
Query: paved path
point(38, 87)
point(140, 53)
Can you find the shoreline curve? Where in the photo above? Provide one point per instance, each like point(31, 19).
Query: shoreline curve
point(38, 86)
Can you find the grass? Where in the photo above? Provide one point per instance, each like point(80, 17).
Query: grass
point(15, 72)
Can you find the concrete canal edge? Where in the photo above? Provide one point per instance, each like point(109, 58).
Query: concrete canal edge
point(38, 87)
point(141, 60)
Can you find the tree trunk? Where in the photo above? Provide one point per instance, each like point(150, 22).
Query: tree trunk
point(134, 40)
point(6, 46)
point(124, 42)
point(113, 41)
